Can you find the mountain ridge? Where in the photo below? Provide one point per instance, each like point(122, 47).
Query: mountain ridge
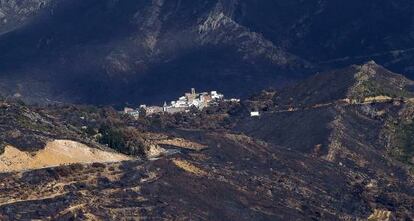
point(118, 52)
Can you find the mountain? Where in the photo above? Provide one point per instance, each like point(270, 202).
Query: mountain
point(327, 148)
point(335, 145)
point(117, 52)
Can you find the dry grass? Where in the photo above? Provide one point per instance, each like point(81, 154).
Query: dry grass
point(190, 168)
point(380, 215)
point(182, 143)
point(377, 99)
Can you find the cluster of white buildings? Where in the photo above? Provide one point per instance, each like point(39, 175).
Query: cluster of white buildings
point(183, 104)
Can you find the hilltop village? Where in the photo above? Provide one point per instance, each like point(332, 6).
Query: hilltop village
point(183, 104)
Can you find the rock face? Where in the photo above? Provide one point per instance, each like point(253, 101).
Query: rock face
point(112, 52)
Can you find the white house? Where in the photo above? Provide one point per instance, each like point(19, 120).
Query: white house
point(254, 114)
point(216, 96)
point(184, 103)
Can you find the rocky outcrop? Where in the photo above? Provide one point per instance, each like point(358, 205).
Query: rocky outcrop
point(220, 28)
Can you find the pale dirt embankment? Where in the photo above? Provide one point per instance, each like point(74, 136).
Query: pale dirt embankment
point(182, 143)
point(58, 152)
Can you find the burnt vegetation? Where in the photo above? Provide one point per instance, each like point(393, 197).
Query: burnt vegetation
point(103, 125)
point(350, 158)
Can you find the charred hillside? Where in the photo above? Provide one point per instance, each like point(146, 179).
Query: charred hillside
point(29, 130)
point(236, 177)
point(347, 156)
point(360, 120)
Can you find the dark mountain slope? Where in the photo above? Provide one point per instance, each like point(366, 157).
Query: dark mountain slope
point(14, 14)
point(84, 50)
point(336, 32)
point(112, 52)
